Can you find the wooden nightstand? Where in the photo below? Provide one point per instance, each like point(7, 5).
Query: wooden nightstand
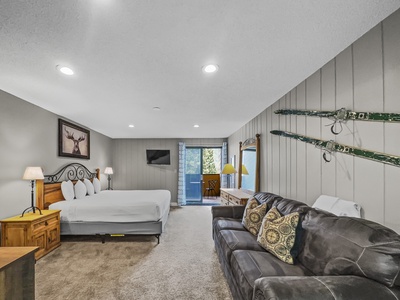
point(32, 229)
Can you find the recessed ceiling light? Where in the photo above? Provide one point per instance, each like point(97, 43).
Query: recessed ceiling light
point(196, 126)
point(65, 70)
point(131, 126)
point(156, 108)
point(210, 68)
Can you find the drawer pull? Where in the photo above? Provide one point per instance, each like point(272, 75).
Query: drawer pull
point(46, 223)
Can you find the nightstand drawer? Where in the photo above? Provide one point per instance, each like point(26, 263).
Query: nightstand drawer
point(44, 224)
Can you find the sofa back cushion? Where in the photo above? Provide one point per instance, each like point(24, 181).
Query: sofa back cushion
point(269, 198)
point(335, 245)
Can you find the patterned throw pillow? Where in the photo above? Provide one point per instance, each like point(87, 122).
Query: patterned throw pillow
point(253, 216)
point(278, 233)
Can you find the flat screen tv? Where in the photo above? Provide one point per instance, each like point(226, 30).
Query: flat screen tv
point(158, 157)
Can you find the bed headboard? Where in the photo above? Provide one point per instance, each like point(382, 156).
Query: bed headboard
point(48, 190)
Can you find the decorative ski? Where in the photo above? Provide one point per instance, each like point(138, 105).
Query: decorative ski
point(342, 115)
point(332, 146)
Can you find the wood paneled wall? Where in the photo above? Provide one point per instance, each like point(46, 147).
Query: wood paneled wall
point(364, 77)
point(132, 172)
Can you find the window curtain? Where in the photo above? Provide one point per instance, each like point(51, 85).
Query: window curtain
point(181, 174)
point(224, 181)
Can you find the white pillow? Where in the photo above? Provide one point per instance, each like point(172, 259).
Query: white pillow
point(346, 208)
point(80, 190)
point(67, 189)
point(97, 185)
point(89, 186)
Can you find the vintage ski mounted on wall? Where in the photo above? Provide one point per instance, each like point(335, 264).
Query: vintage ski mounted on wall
point(332, 146)
point(342, 115)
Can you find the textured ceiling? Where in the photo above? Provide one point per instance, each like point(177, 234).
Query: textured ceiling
point(131, 55)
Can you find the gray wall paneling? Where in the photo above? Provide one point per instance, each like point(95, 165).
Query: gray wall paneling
point(391, 69)
point(368, 96)
point(363, 77)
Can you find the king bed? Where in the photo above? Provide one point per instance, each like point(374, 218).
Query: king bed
point(124, 212)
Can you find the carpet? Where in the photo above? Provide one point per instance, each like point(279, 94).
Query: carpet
point(183, 266)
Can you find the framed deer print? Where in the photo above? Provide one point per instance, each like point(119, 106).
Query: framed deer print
point(73, 141)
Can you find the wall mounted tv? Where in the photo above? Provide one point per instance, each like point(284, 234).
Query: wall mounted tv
point(158, 157)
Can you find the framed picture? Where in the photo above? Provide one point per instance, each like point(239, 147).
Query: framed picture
point(73, 141)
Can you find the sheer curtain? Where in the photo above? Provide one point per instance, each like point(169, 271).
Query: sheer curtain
point(181, 174)
point(224, 181)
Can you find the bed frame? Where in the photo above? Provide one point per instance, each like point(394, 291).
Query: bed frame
point(48, 191)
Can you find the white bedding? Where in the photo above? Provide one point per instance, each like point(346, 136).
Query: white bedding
point(116, 206)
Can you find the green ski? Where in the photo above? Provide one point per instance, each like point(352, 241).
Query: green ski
point(332, 146)
point(342, 115)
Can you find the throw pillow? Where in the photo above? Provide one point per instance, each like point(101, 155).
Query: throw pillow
point(253, 216)
point(80, 190)
point(67, 189)
point(89, 186)
point(278, 233)
point(97, 185)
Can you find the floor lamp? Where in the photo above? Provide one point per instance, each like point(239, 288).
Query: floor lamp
point(228, 170)
point(32, 174)
point(109, 171)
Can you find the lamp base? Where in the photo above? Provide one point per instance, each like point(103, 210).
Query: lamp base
point(109, 183)
point(33, 208)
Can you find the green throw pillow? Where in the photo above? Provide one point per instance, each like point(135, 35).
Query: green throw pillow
point(253, 216)
point(278, 233)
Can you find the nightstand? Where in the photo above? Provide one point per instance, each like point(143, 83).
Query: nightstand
point(32, 229)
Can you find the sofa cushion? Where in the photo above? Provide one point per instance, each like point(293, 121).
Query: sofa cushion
point(288, 206)
point(322, 287)
point(278, 233)
point(350, 246)
point(247, 266)
point(227, 224)
point(269, 198)
point(253, 216)
point(231, 240)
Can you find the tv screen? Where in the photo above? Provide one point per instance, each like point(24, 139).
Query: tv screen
point(158, 157)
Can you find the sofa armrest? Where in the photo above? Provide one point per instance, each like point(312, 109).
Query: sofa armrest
point(321, 287)
point(228, 211)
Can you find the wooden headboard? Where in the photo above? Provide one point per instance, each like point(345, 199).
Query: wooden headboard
point(48, 190)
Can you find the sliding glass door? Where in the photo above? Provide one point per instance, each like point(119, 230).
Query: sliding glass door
point(200, 161)
point(193, 175)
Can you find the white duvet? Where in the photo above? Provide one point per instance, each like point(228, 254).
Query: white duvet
point(116, 206)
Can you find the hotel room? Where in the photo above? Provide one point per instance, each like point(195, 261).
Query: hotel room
point(140, 64)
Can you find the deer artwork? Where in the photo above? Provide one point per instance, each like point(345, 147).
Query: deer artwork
point(70, 136)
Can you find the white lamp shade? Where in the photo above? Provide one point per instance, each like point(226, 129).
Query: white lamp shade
point(33, 173)
point(108, 171)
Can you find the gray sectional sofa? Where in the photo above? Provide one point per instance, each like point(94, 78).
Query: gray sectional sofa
point(336, 257)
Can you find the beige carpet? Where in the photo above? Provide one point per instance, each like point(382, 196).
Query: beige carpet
point(183, 266)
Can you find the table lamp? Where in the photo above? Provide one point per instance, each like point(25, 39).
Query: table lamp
point(108, 171)
point(244, 170)
point(32, 174)
point(228, 170)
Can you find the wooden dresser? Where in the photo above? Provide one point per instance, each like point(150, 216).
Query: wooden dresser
point(17, 273)
point(234, 197)
point(32, 229)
